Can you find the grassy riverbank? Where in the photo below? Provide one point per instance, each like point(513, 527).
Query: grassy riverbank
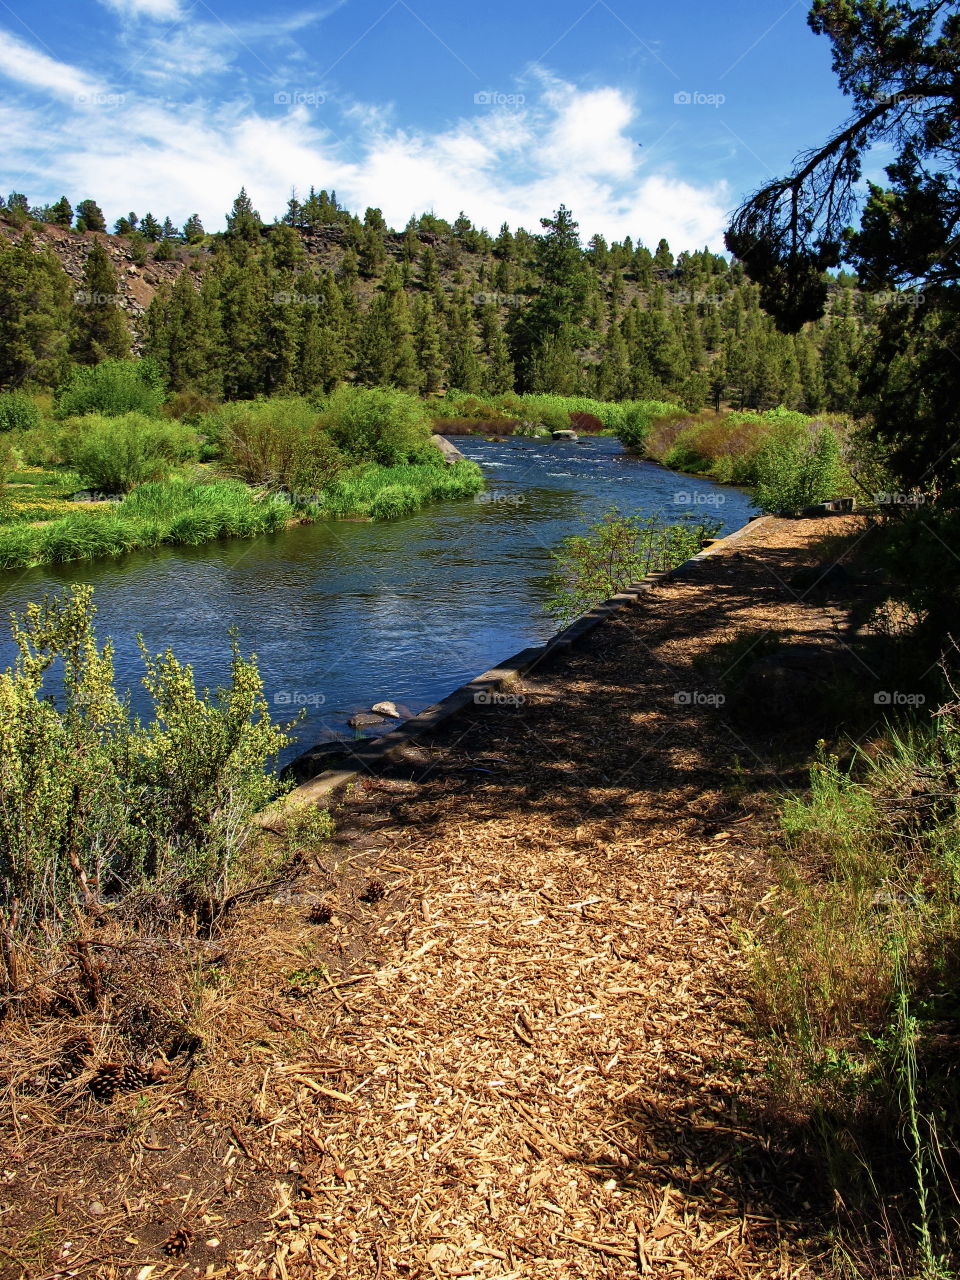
point(236, 470)
point(246, 467)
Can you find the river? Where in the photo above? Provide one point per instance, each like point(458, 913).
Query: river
point(342, 614)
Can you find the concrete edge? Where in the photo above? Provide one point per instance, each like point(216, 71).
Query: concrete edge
point(363, 757)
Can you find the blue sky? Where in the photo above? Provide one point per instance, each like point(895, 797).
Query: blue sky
point(645, 119)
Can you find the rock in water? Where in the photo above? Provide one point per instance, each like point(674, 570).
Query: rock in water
point(363, 721)
point(387, 709)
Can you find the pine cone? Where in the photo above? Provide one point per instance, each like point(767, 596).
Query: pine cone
point(71, 1062)
point(178, 1244)
point(321, 914)
point(135, 1078)
point(107, 1081)
point(375, 891)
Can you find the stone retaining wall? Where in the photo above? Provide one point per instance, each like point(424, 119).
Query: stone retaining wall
point(363, 758)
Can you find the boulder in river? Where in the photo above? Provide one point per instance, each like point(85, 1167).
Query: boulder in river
point(388, 709)
point(364, 721)
point(450, 451)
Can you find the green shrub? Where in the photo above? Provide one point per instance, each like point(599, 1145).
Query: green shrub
point(41, 446)
point(278, 443)
point(115, 454)
point(798, 467)
point(616, 551)
point(112, 387)
point(96, 804)
point(18, 412)
point(636, 419)
point(377, 424)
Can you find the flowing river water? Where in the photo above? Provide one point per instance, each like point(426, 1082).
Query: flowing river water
point(342, 614)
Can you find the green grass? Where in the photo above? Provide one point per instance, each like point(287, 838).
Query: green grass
point(856, 981)
point(182, 513)
point(170, 512)
point(385, 493)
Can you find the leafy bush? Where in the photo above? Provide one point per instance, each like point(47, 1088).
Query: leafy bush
point(94, 804)
point(279, 443)
point(189, 406)
point(377, 424)
point(115, 454)
point(112, 387)
point(799, 467)
point(18, 412)
point(616, 551)
point(41, 446)
point(634, 420)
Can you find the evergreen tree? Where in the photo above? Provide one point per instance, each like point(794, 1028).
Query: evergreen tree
point(374, 348)
point(323, 356)
point(151, 228)
point(372, 248)
point(463, 364)
point(61, 213)
point(427, 346)
point(193, 231)
point(35, 303)
point(663, 258)
point(241, 291)
point(90, 216)
point(243, 221)
point(99, 328)
point(614, 370)
point(498, 372)
point(182, 330)
point(552, 318)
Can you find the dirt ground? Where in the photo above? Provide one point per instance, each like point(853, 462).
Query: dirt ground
point(496, 1027)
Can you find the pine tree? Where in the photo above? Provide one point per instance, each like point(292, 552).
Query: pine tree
point(614, 370)
point(182, 331)
point(243, 221)
point(241, 291)
point(61, 213)
point(429, 272)
point(35, 294)
point(90, 216)
point(193, 231)
point(498, 372)
point(463, 364)
point(99, 327)
point(427, 346)
point(372, 248)
point(552, 319)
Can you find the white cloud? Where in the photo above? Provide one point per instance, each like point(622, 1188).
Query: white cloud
point(516, 165)
point(27, 65)
point(153, 10)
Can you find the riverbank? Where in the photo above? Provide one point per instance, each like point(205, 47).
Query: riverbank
point(498, 1025)
point(191, 512)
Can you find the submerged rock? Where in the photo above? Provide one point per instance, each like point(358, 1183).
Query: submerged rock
point(365, 721)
